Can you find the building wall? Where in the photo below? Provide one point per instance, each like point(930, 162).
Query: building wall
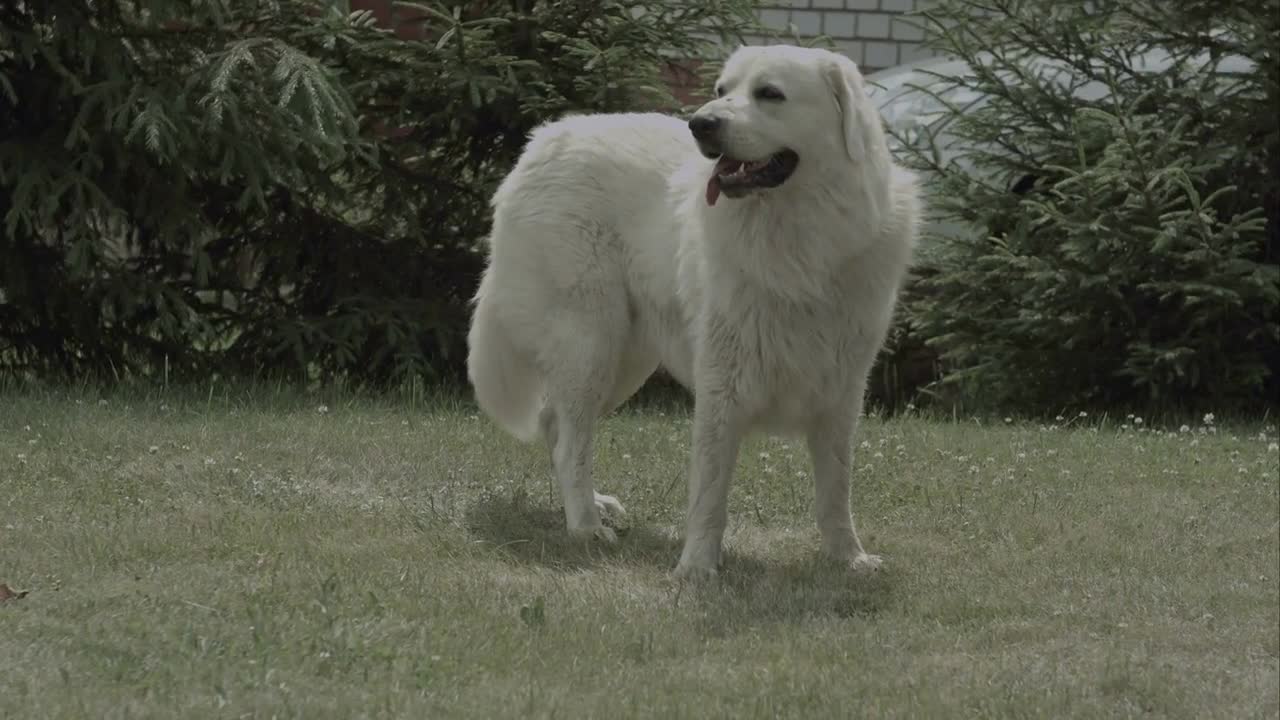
point(876, 34)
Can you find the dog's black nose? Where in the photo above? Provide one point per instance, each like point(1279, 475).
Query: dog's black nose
point(704, 127)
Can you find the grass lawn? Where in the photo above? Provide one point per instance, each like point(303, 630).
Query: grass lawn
point(262, 555)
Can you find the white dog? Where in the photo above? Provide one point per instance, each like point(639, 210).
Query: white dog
point(755, 253)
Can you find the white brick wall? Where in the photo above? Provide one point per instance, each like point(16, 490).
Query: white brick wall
point(873, 33)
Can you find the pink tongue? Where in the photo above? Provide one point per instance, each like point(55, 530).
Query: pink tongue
point(713, 189)
point(723, 165)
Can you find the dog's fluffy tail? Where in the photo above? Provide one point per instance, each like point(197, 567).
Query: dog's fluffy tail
point(507, 384)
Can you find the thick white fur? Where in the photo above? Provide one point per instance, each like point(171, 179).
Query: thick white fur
point(606, 261)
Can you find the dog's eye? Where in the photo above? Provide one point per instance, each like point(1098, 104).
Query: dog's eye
point(769, 92)
point(719, 91)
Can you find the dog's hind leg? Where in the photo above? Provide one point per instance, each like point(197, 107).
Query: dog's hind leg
point(550, 427)
point(580, 382)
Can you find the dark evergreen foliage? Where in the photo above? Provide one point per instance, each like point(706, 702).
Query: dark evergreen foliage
point(1112, 247)
point(262, 186)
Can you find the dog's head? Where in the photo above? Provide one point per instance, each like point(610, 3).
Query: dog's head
point(779, 109)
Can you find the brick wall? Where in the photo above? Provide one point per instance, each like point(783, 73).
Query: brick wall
point(874, 33)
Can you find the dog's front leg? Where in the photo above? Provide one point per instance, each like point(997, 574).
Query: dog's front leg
point(717, 433)
point(830, 442)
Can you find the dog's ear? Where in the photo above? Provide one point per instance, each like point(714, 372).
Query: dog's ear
point(864, 138)
point(859, 121)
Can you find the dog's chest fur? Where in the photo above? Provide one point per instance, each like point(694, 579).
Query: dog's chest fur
point(792, 331)
point(789, 361)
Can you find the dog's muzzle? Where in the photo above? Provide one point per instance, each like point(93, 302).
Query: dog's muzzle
point(706, 132)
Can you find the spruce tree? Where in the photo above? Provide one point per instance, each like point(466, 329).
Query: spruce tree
point(265, 186)
point(1114, 203)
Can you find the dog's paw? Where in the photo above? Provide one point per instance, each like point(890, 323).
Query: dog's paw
point(609, 505)
point(696, 574)
point(865, 563)
point(598, 534)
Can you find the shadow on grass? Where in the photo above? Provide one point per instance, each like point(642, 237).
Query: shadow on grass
point(796, 584)
point(526, 533)
point(789, 589)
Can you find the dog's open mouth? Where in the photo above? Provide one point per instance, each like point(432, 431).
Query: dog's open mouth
point(736, 178)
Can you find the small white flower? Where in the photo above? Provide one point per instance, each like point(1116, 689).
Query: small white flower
point(1185, 429)
point(153, 449)
point(626, 456)
point(1084, 414)
point(1273, 447)
point(1008, 420)
point(1137, 421)
point(1022, 456)
point(764, 456)
point(322, 409)
point(210, 461)
point(1208, 418)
